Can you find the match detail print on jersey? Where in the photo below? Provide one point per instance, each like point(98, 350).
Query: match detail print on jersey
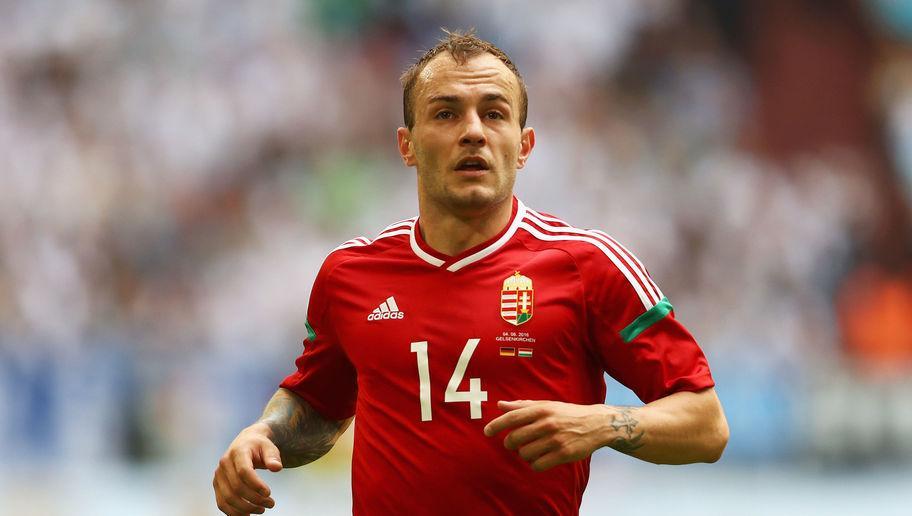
point(516, 299)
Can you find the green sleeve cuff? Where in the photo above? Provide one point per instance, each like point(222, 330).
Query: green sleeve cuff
point(647, 319)
point(311, 334)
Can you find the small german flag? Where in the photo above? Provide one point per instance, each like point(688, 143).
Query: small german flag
point(524, 352)
point(507, 352)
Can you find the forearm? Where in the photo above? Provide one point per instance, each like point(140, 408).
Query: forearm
point(300, 432)
point(682, 428)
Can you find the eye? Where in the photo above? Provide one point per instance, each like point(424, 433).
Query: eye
point(444, 115)
point(494, 115)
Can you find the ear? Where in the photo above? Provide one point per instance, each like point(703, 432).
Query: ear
point(526, 142)
point(406, 148)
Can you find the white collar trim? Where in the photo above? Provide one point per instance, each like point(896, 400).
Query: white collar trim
point(478, 255)
point(433, 260)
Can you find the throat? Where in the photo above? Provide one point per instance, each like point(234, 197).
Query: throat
point(451, 235)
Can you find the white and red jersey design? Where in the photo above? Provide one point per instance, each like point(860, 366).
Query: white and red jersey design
point(540, 311)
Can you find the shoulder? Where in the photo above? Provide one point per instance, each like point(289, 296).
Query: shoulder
point(391, 237)
point(600, 258)
point(584, 245)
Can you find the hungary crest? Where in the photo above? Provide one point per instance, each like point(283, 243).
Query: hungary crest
point(516, 299)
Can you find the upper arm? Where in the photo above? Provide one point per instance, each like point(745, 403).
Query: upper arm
point(632, 328)
point(302, 404)
point(703, 404)
point(324, 375)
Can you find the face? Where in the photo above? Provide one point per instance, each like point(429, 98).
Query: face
point(466, 141)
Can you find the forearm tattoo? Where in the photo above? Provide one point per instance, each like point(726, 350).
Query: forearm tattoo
point(301, 434)
point(625, 423)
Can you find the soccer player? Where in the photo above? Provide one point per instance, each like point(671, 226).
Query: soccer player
point(471, 341)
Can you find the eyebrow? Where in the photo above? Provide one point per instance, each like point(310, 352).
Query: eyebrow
point(454, 99)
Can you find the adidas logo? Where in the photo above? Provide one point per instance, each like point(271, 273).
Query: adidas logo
point(387, 310)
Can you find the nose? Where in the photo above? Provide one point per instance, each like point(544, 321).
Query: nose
point(472, 131)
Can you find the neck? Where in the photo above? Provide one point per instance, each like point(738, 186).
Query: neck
point(452, 233)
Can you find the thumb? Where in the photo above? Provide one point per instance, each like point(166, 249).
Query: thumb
point(272, 459)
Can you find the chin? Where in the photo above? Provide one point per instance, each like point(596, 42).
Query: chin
point(475, 198)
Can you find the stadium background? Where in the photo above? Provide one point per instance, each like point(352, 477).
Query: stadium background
point(172, 174)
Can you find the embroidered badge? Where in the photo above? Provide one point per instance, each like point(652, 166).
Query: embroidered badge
point(516, 299)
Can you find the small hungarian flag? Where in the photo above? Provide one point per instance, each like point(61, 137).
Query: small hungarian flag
point(524, 352)
point(507, 352)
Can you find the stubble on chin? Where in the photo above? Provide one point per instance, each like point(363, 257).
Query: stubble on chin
point(468, 202)
point(469, 197)
point(473, 199)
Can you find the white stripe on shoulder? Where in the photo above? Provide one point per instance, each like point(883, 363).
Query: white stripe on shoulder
point(625, 253)
point(644, 297)
point(399, 228)
point(637, 260)
point(350, 243)
point(401, 224)
point(542, 216)
point(391, 234)
point(639, 272)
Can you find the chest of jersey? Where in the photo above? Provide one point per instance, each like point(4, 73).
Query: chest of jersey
point(433, 344)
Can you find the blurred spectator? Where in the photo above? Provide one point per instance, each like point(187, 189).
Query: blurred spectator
point(875, 309)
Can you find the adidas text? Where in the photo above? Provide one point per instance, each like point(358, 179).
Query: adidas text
point(385, 315)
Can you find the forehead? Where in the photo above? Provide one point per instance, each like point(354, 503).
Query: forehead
point(482, 73)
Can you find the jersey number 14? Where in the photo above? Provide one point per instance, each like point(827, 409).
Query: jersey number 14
point(474, 396)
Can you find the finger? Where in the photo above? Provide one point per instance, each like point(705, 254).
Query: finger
point(536, 449)
point(517, 404)
point(217, 484)
point(548, 461)
point(241, 506)
point(232, 503)
point(227, 509)
point(253, 481)
point(518, 417)
point(230, 511)
point(237, 487)
point(223, 490)
point(524, 435)
point(243, 465)
point(254, 497)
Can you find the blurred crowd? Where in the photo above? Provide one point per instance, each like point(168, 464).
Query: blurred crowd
point(173, 173)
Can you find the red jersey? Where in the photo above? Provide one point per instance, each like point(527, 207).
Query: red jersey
point(420, 346)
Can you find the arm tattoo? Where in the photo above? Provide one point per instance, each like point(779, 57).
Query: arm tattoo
point(300, 432)
point(629, 438)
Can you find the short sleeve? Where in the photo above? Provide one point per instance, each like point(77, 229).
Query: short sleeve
point(632, 328)
point(324, 377)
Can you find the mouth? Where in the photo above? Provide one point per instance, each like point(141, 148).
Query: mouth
point(472, 164)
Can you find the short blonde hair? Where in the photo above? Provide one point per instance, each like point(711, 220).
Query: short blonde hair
point(462, 46)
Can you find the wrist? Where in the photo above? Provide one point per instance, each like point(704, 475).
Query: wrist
point(622, 430)
point(607, 430)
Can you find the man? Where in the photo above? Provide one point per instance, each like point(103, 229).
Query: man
point(471, 342)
